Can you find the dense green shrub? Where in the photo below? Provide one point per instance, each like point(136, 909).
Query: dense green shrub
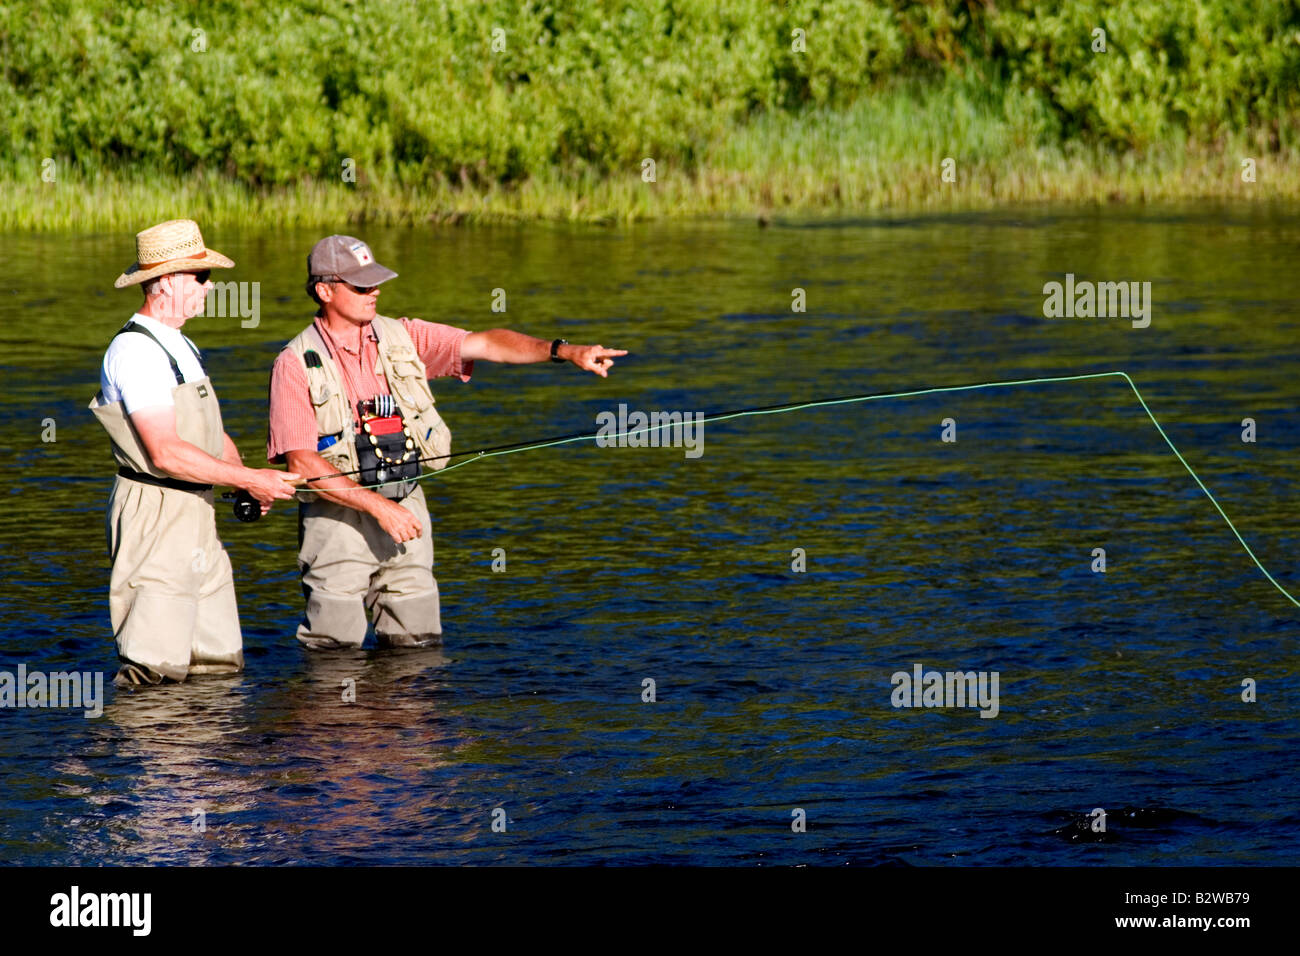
point(1202, 68)
point(412, 92)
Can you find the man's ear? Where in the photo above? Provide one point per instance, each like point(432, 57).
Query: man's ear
point(325, 291)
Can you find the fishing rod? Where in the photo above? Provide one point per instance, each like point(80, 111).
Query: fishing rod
point(710, 417)
point(248, 505)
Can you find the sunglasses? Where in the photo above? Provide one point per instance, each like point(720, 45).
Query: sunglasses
point(202, 277)
point(359, 289)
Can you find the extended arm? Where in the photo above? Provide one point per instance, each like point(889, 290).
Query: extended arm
point(515, 348)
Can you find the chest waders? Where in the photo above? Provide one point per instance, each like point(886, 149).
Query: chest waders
point(171, 594)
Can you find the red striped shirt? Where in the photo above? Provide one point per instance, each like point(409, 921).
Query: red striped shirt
point(293, 420)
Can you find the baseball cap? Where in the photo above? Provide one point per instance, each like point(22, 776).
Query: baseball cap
point(346, 258)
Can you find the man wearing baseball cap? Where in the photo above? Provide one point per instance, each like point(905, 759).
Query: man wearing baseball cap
point(351, 394)
point(172, 594)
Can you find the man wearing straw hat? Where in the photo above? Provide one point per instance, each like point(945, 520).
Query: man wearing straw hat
point(350, 393)
point(172, 595)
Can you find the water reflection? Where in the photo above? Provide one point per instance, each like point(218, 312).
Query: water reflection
point(270, 765)
point(357, 740)
point(169, 746)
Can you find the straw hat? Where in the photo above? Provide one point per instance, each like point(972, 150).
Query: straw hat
point(172, 246)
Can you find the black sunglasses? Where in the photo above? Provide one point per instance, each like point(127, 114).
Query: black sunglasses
point(335, 280)
point(202, 277)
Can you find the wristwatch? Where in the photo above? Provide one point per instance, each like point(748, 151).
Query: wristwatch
point(555, 347)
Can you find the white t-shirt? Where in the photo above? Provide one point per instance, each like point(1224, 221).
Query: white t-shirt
point(137, 373)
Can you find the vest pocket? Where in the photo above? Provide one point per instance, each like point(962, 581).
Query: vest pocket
point(408, 377)
point(326, 406)
point(320, 391)
point(408, 368)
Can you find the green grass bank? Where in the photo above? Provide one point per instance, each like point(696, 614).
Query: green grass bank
point(317, 114)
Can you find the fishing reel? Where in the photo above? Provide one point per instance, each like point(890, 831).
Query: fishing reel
point(247, 508)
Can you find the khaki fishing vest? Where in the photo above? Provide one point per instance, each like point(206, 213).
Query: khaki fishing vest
point(407, 380)
point(198, 421)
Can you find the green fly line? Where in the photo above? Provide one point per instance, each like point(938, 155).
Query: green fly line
point(472, 456)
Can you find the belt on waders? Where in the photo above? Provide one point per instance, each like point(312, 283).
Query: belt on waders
point(175, 483)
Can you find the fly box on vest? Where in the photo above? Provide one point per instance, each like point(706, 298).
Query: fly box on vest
point(386, 450)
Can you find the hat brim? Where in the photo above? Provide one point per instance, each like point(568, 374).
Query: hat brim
point(368, 275)
point(210, 259)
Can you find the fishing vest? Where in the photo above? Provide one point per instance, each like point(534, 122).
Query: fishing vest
point(198, 419)
point(400, 364)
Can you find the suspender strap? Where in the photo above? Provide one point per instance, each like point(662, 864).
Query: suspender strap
point(176, 370)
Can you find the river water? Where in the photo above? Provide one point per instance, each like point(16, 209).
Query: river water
point(1120, 690)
